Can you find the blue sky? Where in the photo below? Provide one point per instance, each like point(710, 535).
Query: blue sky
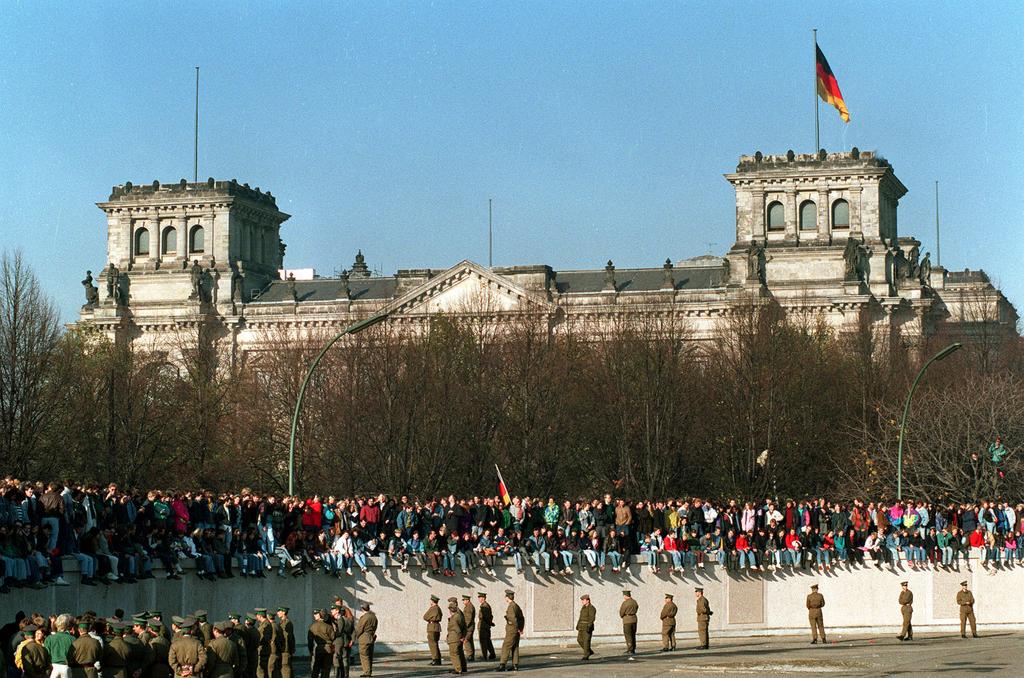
point(600, 129)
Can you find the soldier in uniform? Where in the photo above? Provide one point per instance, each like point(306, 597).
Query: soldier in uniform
point(703, 618)
point(139, 654)
point(965, 599)
point(485, 620)
point(456, 636)
point(187, 656)
point(203, 627)
point(433, 618)
point(515, 622)
point(252, 644)
point(469, 614)
point(320, 640)
point(276, 647)
point(344, 628)
point(906, 601)
point(627, 611)
point(585, 625)
point(236, 634)
point(366, 634)
point(221, 653)
point(816, 601)
point(116, 654)
point(287, 641)
point(35, 659)
point(668, 624)
point(264, 643)
point(160, 648)
point(85, 653)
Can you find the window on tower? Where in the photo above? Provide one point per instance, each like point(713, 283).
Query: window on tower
point(197, 240)
point(142, 242)
point(776, 216)
point(808, 216)
point(840, 214)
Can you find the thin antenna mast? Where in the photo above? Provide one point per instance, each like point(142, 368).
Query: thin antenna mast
point(490, 233)
point(938, 248)
point(195, 148)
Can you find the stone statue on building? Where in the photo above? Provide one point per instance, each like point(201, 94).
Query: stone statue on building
point(121, 290)
point(668, 281)
point(92, 294)
point(112, 280)
point(344, 292)
point(912, 263)
point(237, 282)
point(924, 271)
point(359, 268)
point(281, 247)
point(726, 270)
point(196, 278)
point(292, 293)
point(851, 255)
point(757, 263)
point(609, 276)
point(214, 276)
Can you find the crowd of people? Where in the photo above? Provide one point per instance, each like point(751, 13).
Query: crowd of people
point(120, 536)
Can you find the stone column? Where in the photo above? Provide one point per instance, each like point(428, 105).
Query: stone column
point(181, 228)
point(823, 216)
point(757, 212)
point(855, 211)
point(792, 218)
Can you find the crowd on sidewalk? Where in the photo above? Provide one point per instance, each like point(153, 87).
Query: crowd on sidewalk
point(119, 536)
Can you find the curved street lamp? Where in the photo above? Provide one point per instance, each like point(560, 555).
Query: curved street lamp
point(351, 329)
point(944, 353)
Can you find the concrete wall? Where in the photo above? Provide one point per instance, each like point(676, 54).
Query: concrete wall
point(861, 601)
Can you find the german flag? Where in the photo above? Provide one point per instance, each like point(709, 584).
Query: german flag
point(502, 488)
point(828, 88)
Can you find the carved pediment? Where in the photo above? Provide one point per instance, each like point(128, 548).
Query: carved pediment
point(468, 288)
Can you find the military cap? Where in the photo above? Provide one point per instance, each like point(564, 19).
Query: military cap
point(903, 583)
point(83, 623)
point(465, 596)
point(365, 607)
point(481, 594)
point(138, 620)
point(698, 589)
point(155, 624)
point(29, 630)
point(260, 611)
point(627, 592)
point(154, 613)
point(338, 605)
point(814, 587)
point(187, 623)
point(176, 620)
point(221, 626)
point(234, 615)
point(434, 598)
point(249, 616)
point(282, 608)
point(200, 615)
point(585, 596)
point(509, 593)
point(963, 583)
point(453, 599)
point(119, 626)
point(669, 596)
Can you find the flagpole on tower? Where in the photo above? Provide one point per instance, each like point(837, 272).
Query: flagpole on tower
point(817, 141)
point(195, 147)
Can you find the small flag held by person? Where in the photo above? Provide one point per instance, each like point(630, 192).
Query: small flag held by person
point(502, 487)
point(828, 87)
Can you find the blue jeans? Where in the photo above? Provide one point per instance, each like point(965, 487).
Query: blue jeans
point(824, 556)
point(542, 556)
point(517, 559)
point(54, 524)
point(361, 560)
point(747, 559)
point(651, 558)
point(677, 559)
point(567, 557)
point(615, 557)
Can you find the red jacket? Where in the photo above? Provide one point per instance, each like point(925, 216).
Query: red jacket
point(976, 539)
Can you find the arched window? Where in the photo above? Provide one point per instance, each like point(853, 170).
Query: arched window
point(840, 214)
point(197, 240)
point(142, 242)
point(776, 217)
point(808, 216)
point(170, 244)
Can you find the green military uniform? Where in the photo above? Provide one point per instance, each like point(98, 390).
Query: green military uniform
point(276, 649)
point(485, 621)
point(433, 617)
point(236, 634)
point(84, 655)
point(469, 614)
point(585, 626)
point(366, 635)
point(35, 659)
point(116, 657)
point(668, 624)
point(514, 624)
point(456, 637)
point(627, 611)
point(264, 645)
point(139, 654)
point(344, 628)
point(287, 629)
point(159, 666)
point(187, 656)
point(251, 641)
point(221, 656)
point(205, 630)
point(703, 619)
point(320, 639)
point(965, 599)
point(816, 601)
point(906, 601)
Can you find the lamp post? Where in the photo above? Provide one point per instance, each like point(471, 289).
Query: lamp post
point(944, 353)
point(351, 329)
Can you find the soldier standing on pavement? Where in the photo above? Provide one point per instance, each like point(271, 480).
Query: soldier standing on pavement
point(264, 643)
point(485, 620)
point(433, 617)
point(965, 599)
point(585, 625)
point(703, 618)
point(816, 601)
point(456, 637)
point(159, 666)
point(668, 624)
point(627, 611)
point(203, 626)
point(35, 658)
point(116, 653)
point(515, 622)
point(251, 641)
point(84, 654)
point(344, 630)
point(906, 601)
point(469, 614)
point(320, 640)
point(187, 656)
point(287, 641)
point(221, 653)
point(366, 634)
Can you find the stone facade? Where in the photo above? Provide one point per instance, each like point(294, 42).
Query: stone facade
point(816, 234)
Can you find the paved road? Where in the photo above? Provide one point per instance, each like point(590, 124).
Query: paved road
point(996, 654)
